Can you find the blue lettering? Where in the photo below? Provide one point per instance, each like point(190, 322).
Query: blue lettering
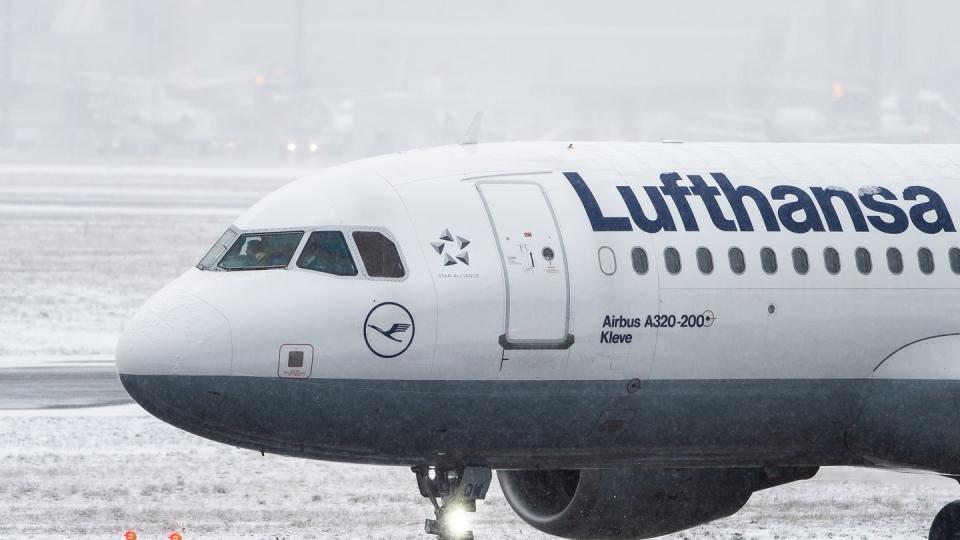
point(598, 221)
point(709, 194)
point(735, 197)
point(679, 194)
point(942, 221)
point(799, 212)
point(811, 220)
point(663, 221)
point(824, 198)
point(898, 223)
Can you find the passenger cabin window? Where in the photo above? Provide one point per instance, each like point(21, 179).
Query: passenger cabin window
point(955, 260)
point(831, 259)
point(801, 263)
point(925, 258)
point(639, 258)
point(894, 260)
point(261, 251)
point(705, 260)
point(328, 252)
point(672, 259)
point(737, 263)
point(379, 254)
point(223, 244)
point(864, 263)
point(608, 261)
point(768, 260)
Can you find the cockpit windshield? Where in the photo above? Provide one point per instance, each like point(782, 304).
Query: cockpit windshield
point(327, 251)
point(259, 251)
point(223, 244)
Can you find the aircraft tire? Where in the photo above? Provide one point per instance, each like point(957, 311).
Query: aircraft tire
point(946, 526)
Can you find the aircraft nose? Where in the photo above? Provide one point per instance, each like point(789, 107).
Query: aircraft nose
point(175, 333)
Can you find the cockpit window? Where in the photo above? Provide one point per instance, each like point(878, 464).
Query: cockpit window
point(259, 251)
point(217, 251)
point(379, 254)
point(327, 251)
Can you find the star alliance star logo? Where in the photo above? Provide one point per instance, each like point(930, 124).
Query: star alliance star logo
point(449, 244)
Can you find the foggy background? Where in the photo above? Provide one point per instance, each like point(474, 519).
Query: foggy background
point(133, 132)
point(179, 80)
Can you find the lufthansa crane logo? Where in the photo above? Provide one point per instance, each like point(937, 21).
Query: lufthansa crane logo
point(388, 330)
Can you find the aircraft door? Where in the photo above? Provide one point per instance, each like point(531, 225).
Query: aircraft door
point(534, 265)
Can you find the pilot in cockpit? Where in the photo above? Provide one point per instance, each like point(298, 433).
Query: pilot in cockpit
point(256, 253)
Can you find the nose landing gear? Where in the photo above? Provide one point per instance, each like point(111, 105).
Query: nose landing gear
point(946, 526)
point(457, 490)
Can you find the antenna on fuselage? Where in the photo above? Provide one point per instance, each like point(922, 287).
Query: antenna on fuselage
point(470, 137)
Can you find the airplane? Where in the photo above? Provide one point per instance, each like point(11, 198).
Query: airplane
point(635, 336)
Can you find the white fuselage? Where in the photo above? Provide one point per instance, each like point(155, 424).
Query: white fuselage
point(541, 311)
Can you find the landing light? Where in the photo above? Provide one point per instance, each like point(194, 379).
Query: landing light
point(313, 148)
point(458, 522)
point(291, 147)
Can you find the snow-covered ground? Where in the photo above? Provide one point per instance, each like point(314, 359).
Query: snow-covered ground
point(82, 249)
point(93, 473)
point(79, 253)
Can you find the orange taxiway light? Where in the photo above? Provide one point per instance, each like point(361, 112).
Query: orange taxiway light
point(130, 535)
